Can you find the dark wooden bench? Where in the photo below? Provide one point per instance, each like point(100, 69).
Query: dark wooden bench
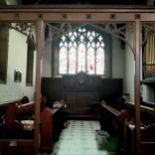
point(4, 119)
point(16, 137)
point(12, 113)
point(113, 121)
point(50, 128)
point(147, 139)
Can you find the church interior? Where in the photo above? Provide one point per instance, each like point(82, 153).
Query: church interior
point(77, 77)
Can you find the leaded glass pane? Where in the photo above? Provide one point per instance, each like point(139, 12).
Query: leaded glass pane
point(63, 60)
point(100, 38)
point(81, 58)
point(72, 61)
point(72, 38)
point(91, 60)
point(91, 38)
point(88, 33)
point(75, 46)
point(93, 33)
point(100, 61)
point(102, 44)
point(63, 38)
point(93, 44)
point(97, 44)
point(81, 38)
point(75, 34)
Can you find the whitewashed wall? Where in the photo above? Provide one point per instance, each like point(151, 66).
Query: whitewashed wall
point(17, 59)
point(129, 68)
point(118, 55)
point(47, 59)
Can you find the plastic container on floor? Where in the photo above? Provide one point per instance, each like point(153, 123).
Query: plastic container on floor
point(112, 144)
point(101, 137)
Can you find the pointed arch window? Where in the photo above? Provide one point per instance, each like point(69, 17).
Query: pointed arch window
point(82, 50)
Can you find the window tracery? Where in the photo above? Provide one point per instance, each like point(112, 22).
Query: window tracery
point(82, 51)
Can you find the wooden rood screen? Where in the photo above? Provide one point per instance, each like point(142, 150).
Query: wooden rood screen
point(99, 14)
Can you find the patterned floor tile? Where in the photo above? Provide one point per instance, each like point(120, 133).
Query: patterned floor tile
point(79, 139)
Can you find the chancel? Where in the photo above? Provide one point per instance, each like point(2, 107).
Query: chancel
point(77, 77)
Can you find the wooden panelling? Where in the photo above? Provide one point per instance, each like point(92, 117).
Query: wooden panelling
point(82, 97)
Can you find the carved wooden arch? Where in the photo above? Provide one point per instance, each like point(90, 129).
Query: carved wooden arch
point(91, 14)
point(108, 27)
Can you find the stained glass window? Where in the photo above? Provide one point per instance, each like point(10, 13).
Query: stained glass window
point(63, 60)
point(99, 60)
point(81, 57)
point(82, 50)
point(91, 60)
point(72, 60)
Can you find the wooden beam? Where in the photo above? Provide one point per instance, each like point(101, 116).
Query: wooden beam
point(78, 14)
point(137, 86)
point(40, 47)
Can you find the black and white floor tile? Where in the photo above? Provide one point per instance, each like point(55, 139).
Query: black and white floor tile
point(79, 139)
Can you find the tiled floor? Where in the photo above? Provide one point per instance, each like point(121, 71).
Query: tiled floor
point(79, 139)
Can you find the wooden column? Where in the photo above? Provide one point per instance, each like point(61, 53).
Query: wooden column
point(137, 87)
point(40, 46)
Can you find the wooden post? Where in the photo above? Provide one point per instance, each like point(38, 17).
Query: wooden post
point(137, 87)
point(40, 46)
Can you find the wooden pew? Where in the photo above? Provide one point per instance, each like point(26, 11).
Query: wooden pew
point(49, 119)
point(16, 136)
point(6, 119)
point(114, 121)
point(147, 129)
point(147, 113)
point(13, 113)
point(25, 110)
point(46, 144)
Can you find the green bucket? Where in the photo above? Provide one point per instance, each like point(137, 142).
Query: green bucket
point(112, 144)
